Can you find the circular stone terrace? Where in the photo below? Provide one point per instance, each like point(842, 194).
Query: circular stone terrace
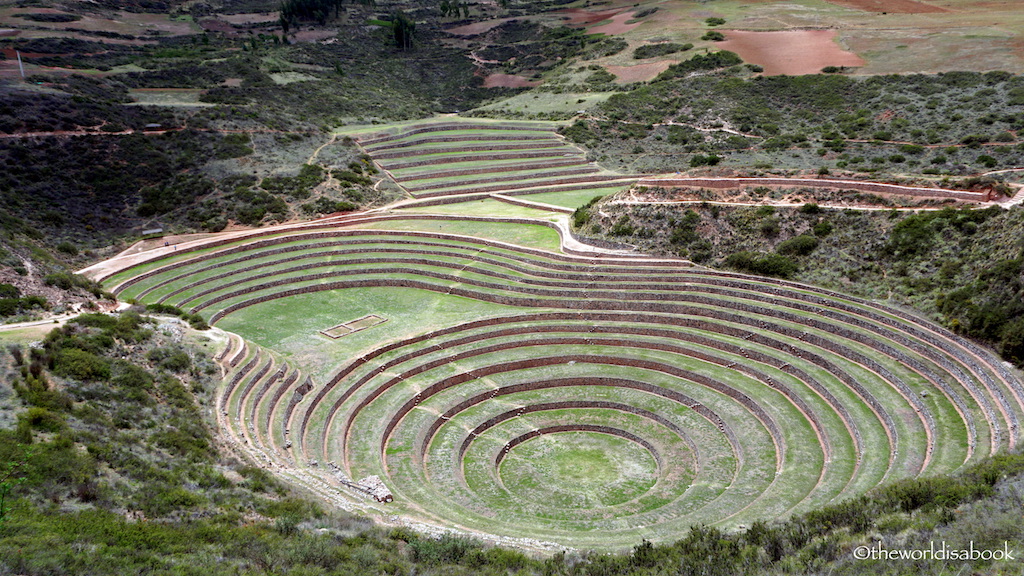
point(421, 366)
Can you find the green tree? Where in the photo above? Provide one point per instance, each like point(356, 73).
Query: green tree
point(404, 30)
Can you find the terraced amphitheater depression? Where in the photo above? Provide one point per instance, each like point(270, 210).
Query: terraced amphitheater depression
point(462, 361)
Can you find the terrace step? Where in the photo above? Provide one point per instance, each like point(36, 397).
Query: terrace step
point(482, 146)
point(451, 138)
point(538, 187)
point(586, 169)
point(484, 157)
point(448, 127)
point(443, 172)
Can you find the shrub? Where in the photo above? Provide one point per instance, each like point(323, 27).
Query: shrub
point(660, 49)
point(623, 227)
point(912, 236)
point(196, 321)
point(233, 146)
point(81, 365)
point(712, 61)
point(822, 229)
point(975, 140)
point(165, 500)
point(714, 21)
point(42, 419)
point(581, 216)
point(1011, 342)
point(175, 360)
point(128, 375)
point(444, 550)
point(701, 160)
point(164, 309)
point(350, 177)
point(801, 245)
point(67, 281)
point(296, 186)
point(60, 280)
point(686, 231)
point(987, 161)
point(600, 77)
point(770, 228)
point(767, 265)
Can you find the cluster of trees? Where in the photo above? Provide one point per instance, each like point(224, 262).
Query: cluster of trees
point(294, 11)
point(453, 8)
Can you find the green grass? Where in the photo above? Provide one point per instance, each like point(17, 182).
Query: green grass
point(496, 166)
point(572, 198)
point(530, 236)
point(291, 326)
point(485, 207)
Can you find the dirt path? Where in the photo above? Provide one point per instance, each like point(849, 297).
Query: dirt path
point(55, 322)
point(637, 201)
point(162, 131)
point(313, 156)
point(672, 181)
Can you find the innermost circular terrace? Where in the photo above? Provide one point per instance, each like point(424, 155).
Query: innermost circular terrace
point(579, 469)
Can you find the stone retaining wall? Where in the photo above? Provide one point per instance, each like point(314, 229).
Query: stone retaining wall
point(587, 169)
point(442, 160)
point(510, 145)
point(484, 138)
point(377, 138)
point(443, 172)
point(551, 185)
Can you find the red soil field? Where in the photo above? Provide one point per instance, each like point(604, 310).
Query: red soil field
point(581, 17)
point(214, 25)
point(508, 81)
point(639, 72)
point(615, 25)
point(890, 6)
point(790, 52)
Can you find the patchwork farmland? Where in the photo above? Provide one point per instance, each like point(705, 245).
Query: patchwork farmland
point(586, 401)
